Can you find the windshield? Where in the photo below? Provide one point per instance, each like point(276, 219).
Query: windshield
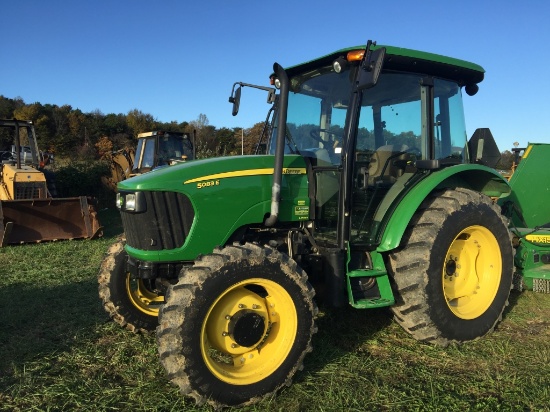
point(316, 115)
point(171, 147)
point(146, 153)
point(393, 115)
point(26, 139)
point(174, 147)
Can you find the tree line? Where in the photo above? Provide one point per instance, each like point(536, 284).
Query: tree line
point(71, 133)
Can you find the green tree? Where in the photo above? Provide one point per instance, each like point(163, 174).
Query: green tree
point(175, 126)
point(76, 122)
point(70, 132)
point(253, 137)
point(94, 127)
point(60, 118)
point(116, 124)
point(29, 112)
point(226, 143)
point(39, 115)
point(205, 143)
point(201, 122)
point(8, 106)
point(139, 122)
point(506, 160)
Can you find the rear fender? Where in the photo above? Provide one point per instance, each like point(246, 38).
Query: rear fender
point(476, 177)
point(530, 185)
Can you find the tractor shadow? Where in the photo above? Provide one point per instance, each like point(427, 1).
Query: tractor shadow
point(346, 330)
point(342, 331)
point(38, 322)
point(512, 302)
point(46, 317)
point(111, 222)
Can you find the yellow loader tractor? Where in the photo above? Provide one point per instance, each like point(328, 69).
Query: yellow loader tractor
point(120, 163)
point(154, 150)
point(28, 212)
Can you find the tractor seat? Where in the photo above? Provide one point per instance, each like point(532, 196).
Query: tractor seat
point(382, 169)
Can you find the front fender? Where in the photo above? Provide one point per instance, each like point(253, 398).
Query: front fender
point(476, 177)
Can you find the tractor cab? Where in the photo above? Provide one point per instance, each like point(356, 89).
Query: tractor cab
point(374, 135)
point(160, 148)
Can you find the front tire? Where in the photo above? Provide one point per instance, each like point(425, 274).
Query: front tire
point(453, 272)
point(237, 325)
point(132, 303)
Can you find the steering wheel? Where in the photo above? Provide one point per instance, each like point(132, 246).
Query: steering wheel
point(414, 151)
point(316, 135)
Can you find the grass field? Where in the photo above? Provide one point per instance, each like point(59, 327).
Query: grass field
point(60, 352)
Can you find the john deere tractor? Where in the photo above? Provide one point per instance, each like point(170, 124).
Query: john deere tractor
point(368, 194)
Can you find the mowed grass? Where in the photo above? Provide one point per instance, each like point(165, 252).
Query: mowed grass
point(60, 352)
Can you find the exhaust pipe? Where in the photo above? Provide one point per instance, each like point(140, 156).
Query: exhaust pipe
point(280, 146)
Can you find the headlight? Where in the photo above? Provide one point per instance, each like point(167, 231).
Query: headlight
point(131, 202)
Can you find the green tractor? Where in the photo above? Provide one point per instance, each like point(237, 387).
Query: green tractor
point(368, 194)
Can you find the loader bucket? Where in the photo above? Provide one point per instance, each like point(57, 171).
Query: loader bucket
point(38, 220)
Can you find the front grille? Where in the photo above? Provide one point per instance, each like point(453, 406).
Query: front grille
point(164, 225)
point(541, 285)
point(30, 190)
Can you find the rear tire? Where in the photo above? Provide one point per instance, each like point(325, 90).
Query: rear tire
point(132, 303)
point(237, 325)
point(453, 272)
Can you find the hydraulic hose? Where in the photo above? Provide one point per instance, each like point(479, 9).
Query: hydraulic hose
point(280, 146)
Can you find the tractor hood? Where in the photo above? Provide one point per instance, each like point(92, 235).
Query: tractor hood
point(213, 196)
point(197, 175)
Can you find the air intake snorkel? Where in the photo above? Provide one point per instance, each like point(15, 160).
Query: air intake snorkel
point(281, 75)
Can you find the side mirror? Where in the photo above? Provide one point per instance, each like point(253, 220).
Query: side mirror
point(236, 100)
point(271, 95)
point(371, 68)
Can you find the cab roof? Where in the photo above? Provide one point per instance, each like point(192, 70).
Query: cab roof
point(407, 60)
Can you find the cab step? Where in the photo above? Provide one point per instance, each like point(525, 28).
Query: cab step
point(369, 289)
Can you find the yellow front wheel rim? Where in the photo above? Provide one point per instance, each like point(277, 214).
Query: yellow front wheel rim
point(248, 331)
point(142, 298)
point(472, 272)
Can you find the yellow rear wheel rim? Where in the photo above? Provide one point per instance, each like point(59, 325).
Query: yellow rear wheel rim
point(248, 331)
point(472, 272)
point(142, 298)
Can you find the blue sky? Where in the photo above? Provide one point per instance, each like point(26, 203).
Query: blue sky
point(178, 59)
